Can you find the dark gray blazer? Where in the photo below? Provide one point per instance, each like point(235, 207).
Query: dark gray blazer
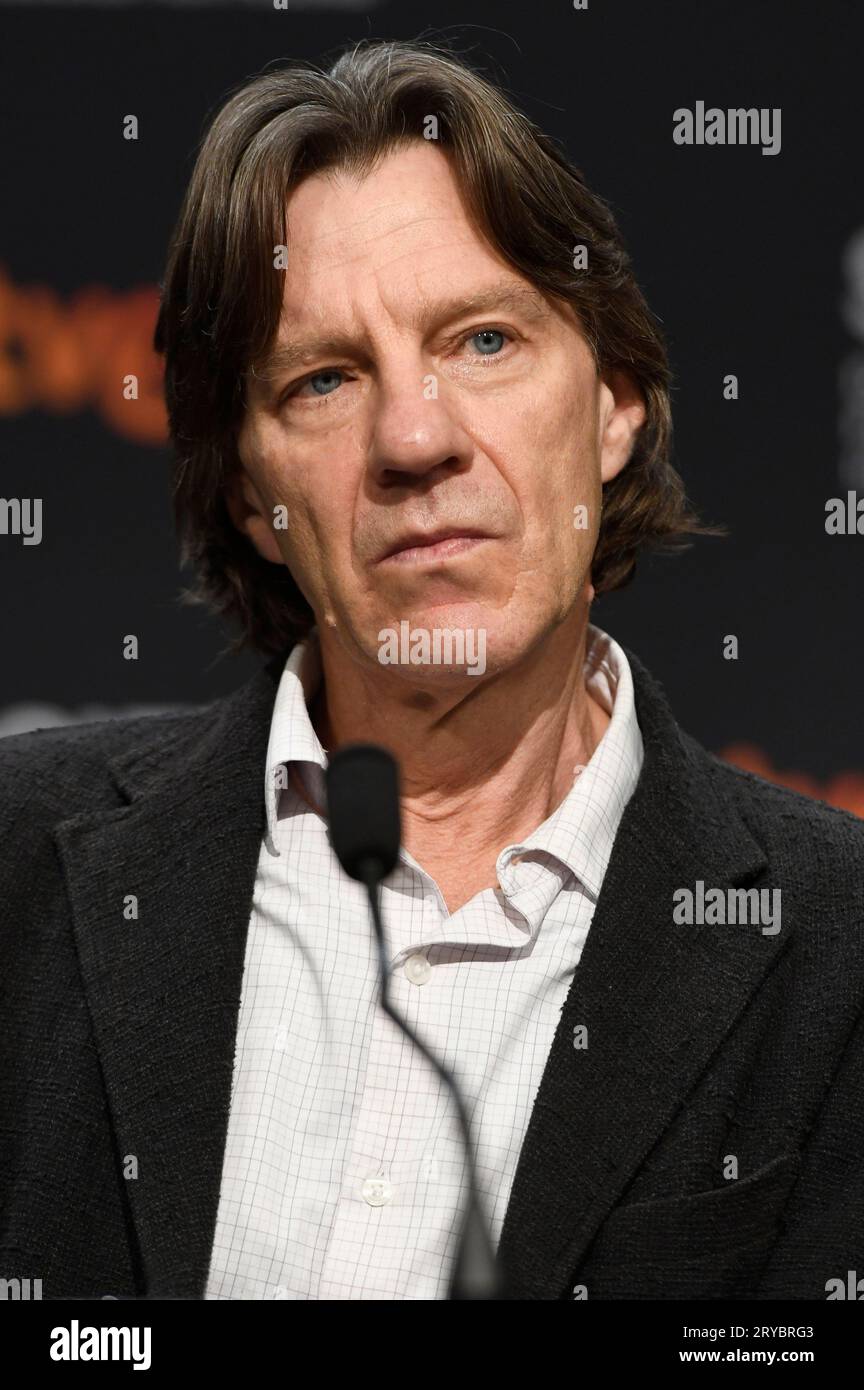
point(705, 1043)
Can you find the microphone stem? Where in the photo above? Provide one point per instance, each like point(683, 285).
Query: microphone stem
point(477, 1273)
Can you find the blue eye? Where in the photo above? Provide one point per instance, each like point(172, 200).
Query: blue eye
point(488, 349)
point(332, 372)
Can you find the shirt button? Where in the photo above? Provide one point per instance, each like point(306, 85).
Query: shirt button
point(377, 1191)
point(418, 969)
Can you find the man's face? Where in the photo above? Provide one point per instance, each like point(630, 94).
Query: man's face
point(419, 387)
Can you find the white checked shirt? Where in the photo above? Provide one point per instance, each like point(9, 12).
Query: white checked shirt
point(344, 1175)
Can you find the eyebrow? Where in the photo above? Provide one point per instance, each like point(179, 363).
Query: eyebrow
point(505, 295)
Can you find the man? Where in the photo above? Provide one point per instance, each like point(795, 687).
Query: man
point(421, 416)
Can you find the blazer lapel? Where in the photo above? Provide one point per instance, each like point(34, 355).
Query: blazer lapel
point(164, 989)
point(656, 999)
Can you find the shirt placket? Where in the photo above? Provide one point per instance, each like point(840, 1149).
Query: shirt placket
point(376, 1216)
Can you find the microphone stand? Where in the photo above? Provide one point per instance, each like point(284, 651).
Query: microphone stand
point(477, 1273)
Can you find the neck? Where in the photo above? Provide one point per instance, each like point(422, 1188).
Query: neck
point(481, 766)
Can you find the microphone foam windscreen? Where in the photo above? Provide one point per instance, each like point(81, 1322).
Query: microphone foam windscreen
point(363, 810)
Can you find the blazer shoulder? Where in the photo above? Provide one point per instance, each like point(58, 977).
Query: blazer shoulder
point(791, 825)
point(57, 772)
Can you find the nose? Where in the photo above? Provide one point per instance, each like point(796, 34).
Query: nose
point(416, 431)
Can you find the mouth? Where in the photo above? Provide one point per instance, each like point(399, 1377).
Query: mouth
point(435, 545)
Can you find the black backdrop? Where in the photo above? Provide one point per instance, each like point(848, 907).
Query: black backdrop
point(755, 264)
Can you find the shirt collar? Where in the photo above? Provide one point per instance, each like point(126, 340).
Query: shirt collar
point(292, 737)
point(579, 833)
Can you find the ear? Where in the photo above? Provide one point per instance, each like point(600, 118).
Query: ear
point(622, 415)
point(251, 515)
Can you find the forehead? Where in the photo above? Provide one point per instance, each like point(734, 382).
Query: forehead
point(407, 205)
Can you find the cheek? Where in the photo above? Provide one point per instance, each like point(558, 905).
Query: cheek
point(315, 541)
point(558, 468)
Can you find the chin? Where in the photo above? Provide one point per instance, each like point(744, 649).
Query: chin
point(448, 643)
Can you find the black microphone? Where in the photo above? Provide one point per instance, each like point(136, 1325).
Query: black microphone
point(365, 832)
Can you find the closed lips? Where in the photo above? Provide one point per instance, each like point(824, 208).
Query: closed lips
point(422, 540)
